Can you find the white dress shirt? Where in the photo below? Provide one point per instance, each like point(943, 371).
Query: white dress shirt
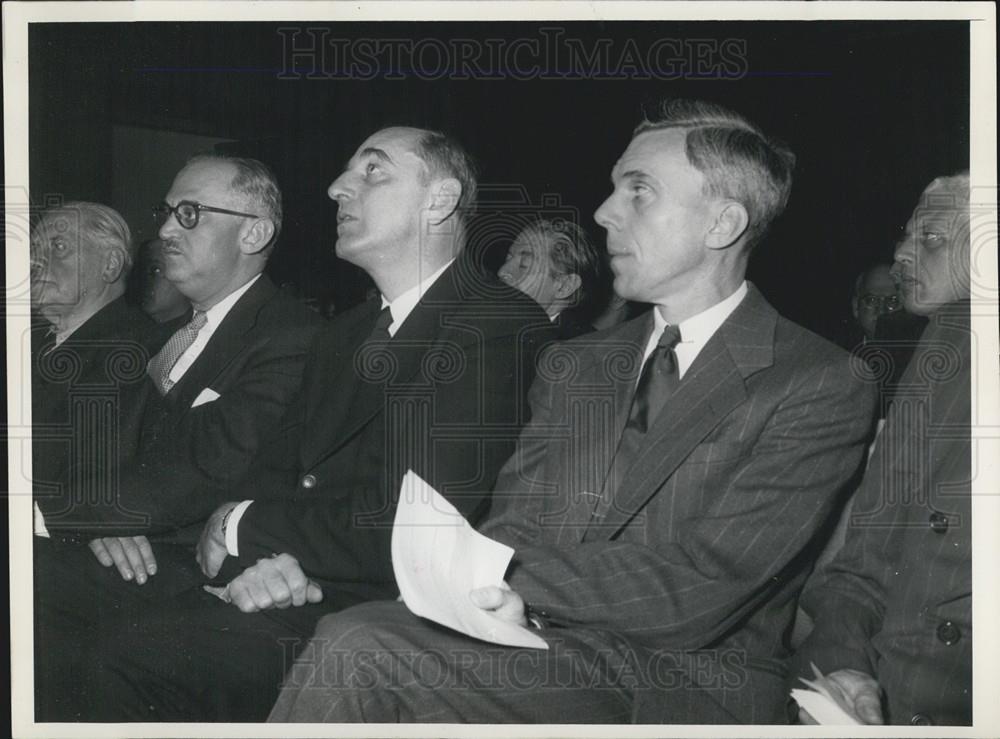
point(213, 318)
point(400, 309)
point(696, 330)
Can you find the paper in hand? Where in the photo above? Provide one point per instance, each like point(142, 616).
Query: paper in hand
point(824, 702)
point(438, 559)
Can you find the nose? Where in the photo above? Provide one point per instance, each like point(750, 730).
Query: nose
point(904, 253)
point(604, 215)
point(170, 225)
point(340, 189)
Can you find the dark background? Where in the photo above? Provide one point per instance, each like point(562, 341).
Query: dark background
point(873, 110)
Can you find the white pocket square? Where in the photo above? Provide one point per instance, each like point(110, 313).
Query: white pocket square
point(205, 396)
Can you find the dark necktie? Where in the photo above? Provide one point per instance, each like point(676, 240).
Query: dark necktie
point(380, 332)
point(160, 365)
point(657, 382)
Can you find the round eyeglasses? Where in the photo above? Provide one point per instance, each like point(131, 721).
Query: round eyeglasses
point(884, 303)
point(188, 212)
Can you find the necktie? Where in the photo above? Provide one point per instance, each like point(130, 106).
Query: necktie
point(380, 332)
point(160, 365)
point(657, 382)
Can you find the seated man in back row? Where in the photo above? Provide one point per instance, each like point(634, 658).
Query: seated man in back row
point(430, 375)
point(666, 495)
point(893, 608)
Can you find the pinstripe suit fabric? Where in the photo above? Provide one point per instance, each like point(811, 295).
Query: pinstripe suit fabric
point(670, 595)
point(896, 600)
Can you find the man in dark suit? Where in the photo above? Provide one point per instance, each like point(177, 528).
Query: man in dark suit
point(430, 376)
point(893, 608)
point(89, 348)
point(210, 401)
point(660, 511)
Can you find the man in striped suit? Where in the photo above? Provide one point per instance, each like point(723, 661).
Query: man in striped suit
point(893, 609)
point(662, 500)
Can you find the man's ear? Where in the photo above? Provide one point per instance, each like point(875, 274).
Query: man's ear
point(114, 265)
point(731, 223)
point(567, 285)
point(258, 236)
point(444, 199)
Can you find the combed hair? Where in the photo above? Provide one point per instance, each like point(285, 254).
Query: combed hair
point(571, 251)
point(445, 157)
point(255, 181)
point(100, 226)
point(737, 159)
point(956, 184)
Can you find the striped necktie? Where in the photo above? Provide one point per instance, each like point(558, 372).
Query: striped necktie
point(160, 366)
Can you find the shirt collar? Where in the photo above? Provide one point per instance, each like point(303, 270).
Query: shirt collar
point(698, 329)
point(403, 305)
point(217, 312)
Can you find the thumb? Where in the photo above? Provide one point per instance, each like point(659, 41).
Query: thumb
point(488, 597)
point(314, 593)
point(869, 707)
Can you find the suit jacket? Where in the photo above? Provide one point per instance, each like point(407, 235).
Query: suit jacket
point(190, 452)
point(444, 397)
point(88, 381)
point(896, 600)
point(694, 562)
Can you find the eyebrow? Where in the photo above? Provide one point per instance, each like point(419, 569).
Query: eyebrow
point(377, 153)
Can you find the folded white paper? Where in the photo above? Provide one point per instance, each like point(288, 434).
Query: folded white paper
point(205, 396)
point(438, 559)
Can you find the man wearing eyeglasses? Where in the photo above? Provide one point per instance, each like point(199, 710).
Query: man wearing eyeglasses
point(213, 396)
point(431, 374)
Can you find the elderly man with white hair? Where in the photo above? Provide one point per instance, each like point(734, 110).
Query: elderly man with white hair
point(893, 608)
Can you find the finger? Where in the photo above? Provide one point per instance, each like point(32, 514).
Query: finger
point(101, 552)
point(511, 608)
point(276, 586)
point(488, 598)
point(241, 597)
point(259, 593)
point(146, 552)
point(805, 718)
point(121, 561)
point(314, 593)
point(134, 558)
point(295, 578)
point(868, 707)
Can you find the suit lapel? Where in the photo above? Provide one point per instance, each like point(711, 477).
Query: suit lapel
point(226, 344)
point(712, 388)
point(392, 364)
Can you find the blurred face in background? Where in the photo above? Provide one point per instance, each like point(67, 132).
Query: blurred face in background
point(529, 268)
point(877, 296)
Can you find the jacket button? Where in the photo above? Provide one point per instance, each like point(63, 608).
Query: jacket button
point(309, 481)
point(921, 719)
point(939, 523)
point(948, 632)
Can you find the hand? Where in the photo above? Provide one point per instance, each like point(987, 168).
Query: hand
point(132, 555)
point(277, 582)
point(212, 550)
point(502, 602)
point(859, 691)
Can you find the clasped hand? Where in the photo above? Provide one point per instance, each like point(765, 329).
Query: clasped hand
point(276, 582)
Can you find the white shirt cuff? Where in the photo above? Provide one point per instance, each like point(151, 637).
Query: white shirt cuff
point(40, 529)
point(233, 527)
